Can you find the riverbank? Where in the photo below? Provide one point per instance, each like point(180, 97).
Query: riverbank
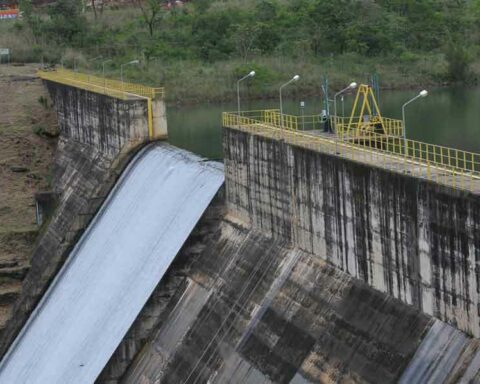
point(192, 82)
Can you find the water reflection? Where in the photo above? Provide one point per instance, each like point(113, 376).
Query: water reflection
point(448, 116)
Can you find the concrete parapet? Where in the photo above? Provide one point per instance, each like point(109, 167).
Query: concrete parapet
point(413, 239)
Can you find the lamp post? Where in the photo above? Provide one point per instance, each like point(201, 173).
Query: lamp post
point(293, 79)
point(352, 85)
point(103, 73)
point(251, 74)
point(95, 58)
point(133, 62)
point(423, 93)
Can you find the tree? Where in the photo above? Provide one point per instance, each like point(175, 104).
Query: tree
point(152, 13)
point(67, 22)
point(245, 37)
point(32, 20)
point(459, 60)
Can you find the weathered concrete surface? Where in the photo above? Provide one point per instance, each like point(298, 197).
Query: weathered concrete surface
point(114, 268)
point(415, 240)
point(446, 355)
point(83, 176)
point(247, 309)
point(105, 122)
point(96, 142)
point(159, 115)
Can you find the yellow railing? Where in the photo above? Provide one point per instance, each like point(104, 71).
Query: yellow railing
point(346, 126)
point(112, 88)
point(102, 85)
point(452, 167)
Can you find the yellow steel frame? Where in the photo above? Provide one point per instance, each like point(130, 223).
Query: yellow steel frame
point(112, 88)
point(448, 166)
point(356, 121)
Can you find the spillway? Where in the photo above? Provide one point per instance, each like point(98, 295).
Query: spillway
point(113, 268)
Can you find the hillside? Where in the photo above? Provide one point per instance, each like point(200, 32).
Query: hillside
point(199, 50)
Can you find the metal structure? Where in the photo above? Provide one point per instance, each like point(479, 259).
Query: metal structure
point(448, 166)
point(375, 84)
point(366, 117)
point(112, 88)
point(365, 114)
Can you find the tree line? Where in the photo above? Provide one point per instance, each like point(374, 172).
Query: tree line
point(214, 30)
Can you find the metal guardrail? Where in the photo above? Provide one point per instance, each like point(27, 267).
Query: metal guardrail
point(453, 167)
point(347, 126)
point(114, 88)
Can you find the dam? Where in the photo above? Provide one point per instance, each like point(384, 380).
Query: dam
point(306, 257)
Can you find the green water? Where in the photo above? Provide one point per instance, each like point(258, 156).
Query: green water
point(448, 116)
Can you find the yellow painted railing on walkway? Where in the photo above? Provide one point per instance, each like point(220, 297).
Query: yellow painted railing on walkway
point(452, 167)
point(112, 88)
point(348, 126)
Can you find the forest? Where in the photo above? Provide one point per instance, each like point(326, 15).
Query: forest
point(198, 50)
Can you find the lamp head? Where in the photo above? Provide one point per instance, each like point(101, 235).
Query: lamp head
point(296, 77)
point(353, 85)
point(134, 62)
point(251, 74)
point(424, 93)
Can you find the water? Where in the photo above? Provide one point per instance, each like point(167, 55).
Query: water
point(448, 116)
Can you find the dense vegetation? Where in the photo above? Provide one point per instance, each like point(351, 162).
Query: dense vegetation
point(199, 50)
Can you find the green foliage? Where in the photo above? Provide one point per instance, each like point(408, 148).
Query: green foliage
point(67, 25)
point(43, 101)
point(459, 61)
point(205, 32)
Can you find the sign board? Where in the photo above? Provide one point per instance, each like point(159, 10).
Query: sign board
point(6, 14)
point(5, 52)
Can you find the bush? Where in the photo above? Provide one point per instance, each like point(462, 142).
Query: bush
point(459, 60)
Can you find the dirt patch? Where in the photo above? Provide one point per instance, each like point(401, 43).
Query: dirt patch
point(26, 159)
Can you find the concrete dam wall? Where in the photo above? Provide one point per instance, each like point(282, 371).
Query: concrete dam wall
point(306, 269)
point(104, 122)
point(244, 303)
point(413, 239)
point(237, 306)
point(93, 148)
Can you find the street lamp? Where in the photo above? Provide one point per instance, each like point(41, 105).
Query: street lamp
point(103, 73)
point(352, 85)
point(423, 93)
point(95, 58)
point(251, 74)
point(103, 66)
point(293, 79)
point(133, 62)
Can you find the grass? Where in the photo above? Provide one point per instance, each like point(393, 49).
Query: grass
point(192, 82)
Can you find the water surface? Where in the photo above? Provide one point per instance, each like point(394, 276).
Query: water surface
point(448, 116)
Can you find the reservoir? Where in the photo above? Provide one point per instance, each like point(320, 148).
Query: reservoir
point(447, 116)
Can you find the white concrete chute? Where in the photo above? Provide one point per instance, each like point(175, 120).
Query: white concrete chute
point(113, 269)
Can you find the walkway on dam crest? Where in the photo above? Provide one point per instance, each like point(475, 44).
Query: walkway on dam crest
point(113, 269)
point(448, 166)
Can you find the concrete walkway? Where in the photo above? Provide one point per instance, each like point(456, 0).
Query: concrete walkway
point(327, 143)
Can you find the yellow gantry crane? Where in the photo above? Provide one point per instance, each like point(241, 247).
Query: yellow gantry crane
point(365, 114)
